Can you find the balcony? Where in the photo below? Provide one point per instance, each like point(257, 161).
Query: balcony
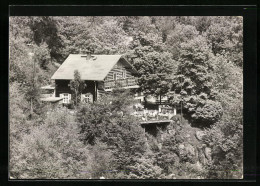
point(163, 115)
point(121, 83)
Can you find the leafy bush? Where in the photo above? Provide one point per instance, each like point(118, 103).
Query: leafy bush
point(192, 84)
point(206, 54)
point(51, 150)
point(226, 140)
point(209, 113)
point(102, 122)
point(99, 162)
point(226, 136)
point(144, 168)
point(152, 62)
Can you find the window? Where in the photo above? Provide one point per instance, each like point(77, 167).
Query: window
point(87, 98)
point(66, 98)
point(115, 76)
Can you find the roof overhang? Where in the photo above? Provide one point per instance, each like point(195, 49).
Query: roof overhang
point(51, 99)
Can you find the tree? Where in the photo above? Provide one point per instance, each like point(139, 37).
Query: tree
point(19, 29)
point(225, 34)
point(164, 25)
point(113, 41)
point(45, 29)
point(193, 82)
point(102, 122)
point(180, 34)
point(226, 136)
point(202, 56)
point(144, 168)
point(153, 64)
point(226, 140)
point(76, 33)
point(77, 86)
point(51, 150)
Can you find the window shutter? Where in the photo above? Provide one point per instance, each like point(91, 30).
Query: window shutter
point(91, 98)
point(124, 74)
point(82, 97)
point(69, 98)
point(114, 76)
point(61, 96)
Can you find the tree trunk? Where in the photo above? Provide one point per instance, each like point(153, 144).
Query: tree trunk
point(76, 98)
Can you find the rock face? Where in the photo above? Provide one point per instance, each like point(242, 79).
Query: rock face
point(207, 153)
point(199, 135)
point(172, 176)
point(201, 156)
point(204, 154)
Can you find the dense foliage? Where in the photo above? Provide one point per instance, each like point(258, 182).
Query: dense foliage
point(193, 82)
point(195, 60)
point(153, 64)
point(77, 86)
point(105, 121)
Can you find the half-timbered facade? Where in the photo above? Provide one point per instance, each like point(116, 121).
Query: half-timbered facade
point(101, 73)
point(120, 76)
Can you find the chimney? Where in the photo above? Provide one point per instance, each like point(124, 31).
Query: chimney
point(88, 53)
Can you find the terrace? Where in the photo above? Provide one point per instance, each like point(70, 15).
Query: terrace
point(163, 115)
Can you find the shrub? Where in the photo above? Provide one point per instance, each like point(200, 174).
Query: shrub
point(226, 140)
point(51, 150)
point(209, 113)
point(192, 84)
point(101, 122)
point(144, 168)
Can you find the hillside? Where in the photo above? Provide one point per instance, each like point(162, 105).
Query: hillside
point(196, 61)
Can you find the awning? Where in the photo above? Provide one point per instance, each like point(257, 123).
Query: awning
point(51, 99)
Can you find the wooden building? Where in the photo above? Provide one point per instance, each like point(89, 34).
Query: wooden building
point(101, 73)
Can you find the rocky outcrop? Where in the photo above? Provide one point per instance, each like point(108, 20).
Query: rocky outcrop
point(207, 153)
point(204, 154)
point(201, 156)
point(199, 135)
point(172, 176)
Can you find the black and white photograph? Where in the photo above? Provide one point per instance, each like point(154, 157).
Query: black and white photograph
point(126, 97)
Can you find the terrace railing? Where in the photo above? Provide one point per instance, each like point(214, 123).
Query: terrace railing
point(152, 115)
point(120, 83)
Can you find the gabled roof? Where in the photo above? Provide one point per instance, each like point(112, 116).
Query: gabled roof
point(95, 69)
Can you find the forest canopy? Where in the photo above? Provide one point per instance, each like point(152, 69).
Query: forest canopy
point(195, 60)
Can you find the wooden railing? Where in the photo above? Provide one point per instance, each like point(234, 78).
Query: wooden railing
point(120, 83)
point(153, 115)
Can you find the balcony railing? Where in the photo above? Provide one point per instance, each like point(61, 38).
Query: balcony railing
point(154, 115)
point(120, 83)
